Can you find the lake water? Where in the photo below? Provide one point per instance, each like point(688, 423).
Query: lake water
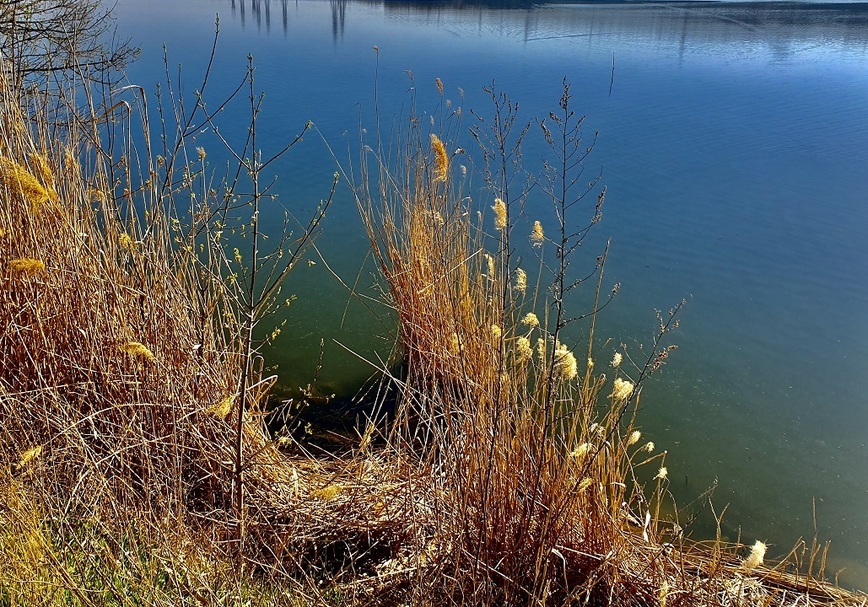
point(734, 144)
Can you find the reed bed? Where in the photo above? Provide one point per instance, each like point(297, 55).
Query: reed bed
point(539, 487)
point(510, 471)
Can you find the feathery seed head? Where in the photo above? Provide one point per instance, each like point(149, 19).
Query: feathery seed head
point(137, 350)
point(439, 84)
point(523, 351)
point(649, 447)
point(21, 183)
point(222, 409)
point(566, 367)
point(662, 473)
point(584, 484)
point(634, 438)
point(327, 493)
point(616, 359)
point(500, 218)
point(581, 451)
point(755, 558)
point(441, 159)
point(530, 319)
point(496, 331)
point(492, 269)
point(622, 389)
point(520, 281)
point(537, 237)
point(26, 266)
point(200, 152)
point(125, 242)
point(29, 455)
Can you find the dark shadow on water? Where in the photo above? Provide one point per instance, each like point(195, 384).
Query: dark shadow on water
point(322, 422)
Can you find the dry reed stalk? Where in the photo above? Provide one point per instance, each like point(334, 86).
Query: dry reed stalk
point(122, 425)
point(119, 365)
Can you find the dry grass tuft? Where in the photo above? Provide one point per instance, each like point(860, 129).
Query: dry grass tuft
point(26, 266)
point(20, 183)
point(528, 481)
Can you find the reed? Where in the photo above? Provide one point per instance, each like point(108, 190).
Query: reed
point(120, 359)
point(531, 483)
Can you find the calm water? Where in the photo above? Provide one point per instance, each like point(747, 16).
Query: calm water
point(734, 142)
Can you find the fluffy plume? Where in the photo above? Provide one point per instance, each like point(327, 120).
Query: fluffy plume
point(500, 218)
point(26, 266)
point(520, 281)
point(581, 451)
point(523, 351)
point(537, 237)
point(622, 389)
point(29, 455)
point(137, 350)
point(755, 558)
point(21, 183)
point(222, 409)
point(492, 269)
point(441, 159)
point(327, 493)
point(565, 363)
point(125, 242)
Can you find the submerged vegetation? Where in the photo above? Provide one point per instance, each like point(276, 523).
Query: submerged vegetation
point(135, 465)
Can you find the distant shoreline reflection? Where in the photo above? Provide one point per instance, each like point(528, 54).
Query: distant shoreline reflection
point(779, 25)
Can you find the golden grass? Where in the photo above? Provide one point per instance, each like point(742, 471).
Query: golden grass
point(531, 484)
point(111, 354)
point(22, 184)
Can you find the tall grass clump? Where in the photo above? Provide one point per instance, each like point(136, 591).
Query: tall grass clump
point(104, 358)
point(130, 385)
point(531, 451)
point(533, 484)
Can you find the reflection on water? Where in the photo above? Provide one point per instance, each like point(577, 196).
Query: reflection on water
point(260, 10)
point(785, 27)
point(339, 15)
